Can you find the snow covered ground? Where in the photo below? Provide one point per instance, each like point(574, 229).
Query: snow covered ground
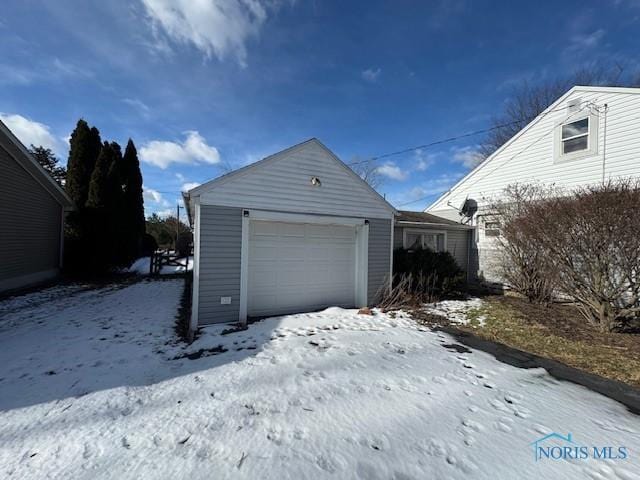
point(457, 310)
point(141, 267)
point(93, 385)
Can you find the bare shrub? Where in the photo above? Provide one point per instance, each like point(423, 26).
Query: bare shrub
point(524, 264)
point(592, 237)
point(408, 291)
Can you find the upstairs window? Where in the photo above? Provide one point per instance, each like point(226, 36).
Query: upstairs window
point(575, 136)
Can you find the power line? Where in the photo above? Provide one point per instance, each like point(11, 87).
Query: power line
point(516, 154)
point(440, 142)
point(437, 142)
point(452, 139)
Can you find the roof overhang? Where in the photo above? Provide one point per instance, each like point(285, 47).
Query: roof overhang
point(443, 226)
point(194, 194)
point(21, 155)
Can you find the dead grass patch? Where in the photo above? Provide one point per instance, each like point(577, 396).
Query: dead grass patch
point(559, 332)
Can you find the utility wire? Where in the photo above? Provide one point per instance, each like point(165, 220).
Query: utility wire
point(516, 154)
point(453, 139)
point(437, 142)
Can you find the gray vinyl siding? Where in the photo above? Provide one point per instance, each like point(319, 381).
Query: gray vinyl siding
point(457, 242)
point(284, 185)
point(379, 257)
point(220, 245)
point(30, 225)
point(458, 246)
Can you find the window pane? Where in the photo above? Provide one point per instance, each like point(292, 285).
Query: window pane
point(430, 242)
point(580, 127)
point(575, 144)
point(414, 241)
point(441, 246)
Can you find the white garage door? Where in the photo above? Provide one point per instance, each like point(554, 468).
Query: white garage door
point(296, 267)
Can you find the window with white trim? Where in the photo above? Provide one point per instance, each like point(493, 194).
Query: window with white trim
point(575, 136)
point(420, 240)
point(492, 229)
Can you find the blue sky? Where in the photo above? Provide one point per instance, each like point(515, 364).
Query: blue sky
point(210, 85)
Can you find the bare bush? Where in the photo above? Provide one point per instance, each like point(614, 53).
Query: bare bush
point(592, 237)
point(408, 291)
point(524, 264)
point(585, 242)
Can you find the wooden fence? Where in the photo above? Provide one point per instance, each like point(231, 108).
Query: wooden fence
point(161, 258)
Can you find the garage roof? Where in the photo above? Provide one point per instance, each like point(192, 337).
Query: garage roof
point(21, 155)
point(243, 187)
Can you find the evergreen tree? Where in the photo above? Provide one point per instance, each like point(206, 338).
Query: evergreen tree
point(98, 192)
point(49, 162)
point(97, 240)
point(117, 233)
point(133, 203)
point(83, 153)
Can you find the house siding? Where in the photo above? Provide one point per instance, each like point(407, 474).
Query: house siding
point(531, 157)
point(30, 226)
point(284, 184)
point(457, 242)
point(219, 273)
point(379, 257)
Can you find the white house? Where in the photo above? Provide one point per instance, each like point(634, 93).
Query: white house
point(589, 135)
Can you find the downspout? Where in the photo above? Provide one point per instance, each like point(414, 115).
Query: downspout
point(469, 242)
point(604, 143)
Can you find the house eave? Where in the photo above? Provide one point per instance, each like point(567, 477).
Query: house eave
point(31, 165)
point(434, 225)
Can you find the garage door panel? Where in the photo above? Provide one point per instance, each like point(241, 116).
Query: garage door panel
point(298, 267)
point(264, 228)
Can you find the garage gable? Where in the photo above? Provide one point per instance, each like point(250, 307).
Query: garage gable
point(306, 178)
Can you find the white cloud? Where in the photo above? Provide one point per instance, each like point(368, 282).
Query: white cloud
point(371, 75)
point(154, 196)
point(30, 132)
point(138, 105)
point(392, 171)
point(581, 42)
point(180, 177)
point(192, 151)
point(423, 160)
point(426, 190)
point(167, 212)
point(467, 156)
point(189, 185)
point(51, 70)
point(215, 27)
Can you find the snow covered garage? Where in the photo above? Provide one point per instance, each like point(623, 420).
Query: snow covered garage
point(297, 231)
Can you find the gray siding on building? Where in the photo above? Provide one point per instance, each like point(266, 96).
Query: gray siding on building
point(220, 245)
point(30, 224)
point(457, 242)
point(379, 256)
point(458, 246)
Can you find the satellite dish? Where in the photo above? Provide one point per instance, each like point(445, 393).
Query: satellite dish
point(469, 208)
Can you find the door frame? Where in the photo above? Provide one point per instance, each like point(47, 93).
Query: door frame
point(361, 249)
